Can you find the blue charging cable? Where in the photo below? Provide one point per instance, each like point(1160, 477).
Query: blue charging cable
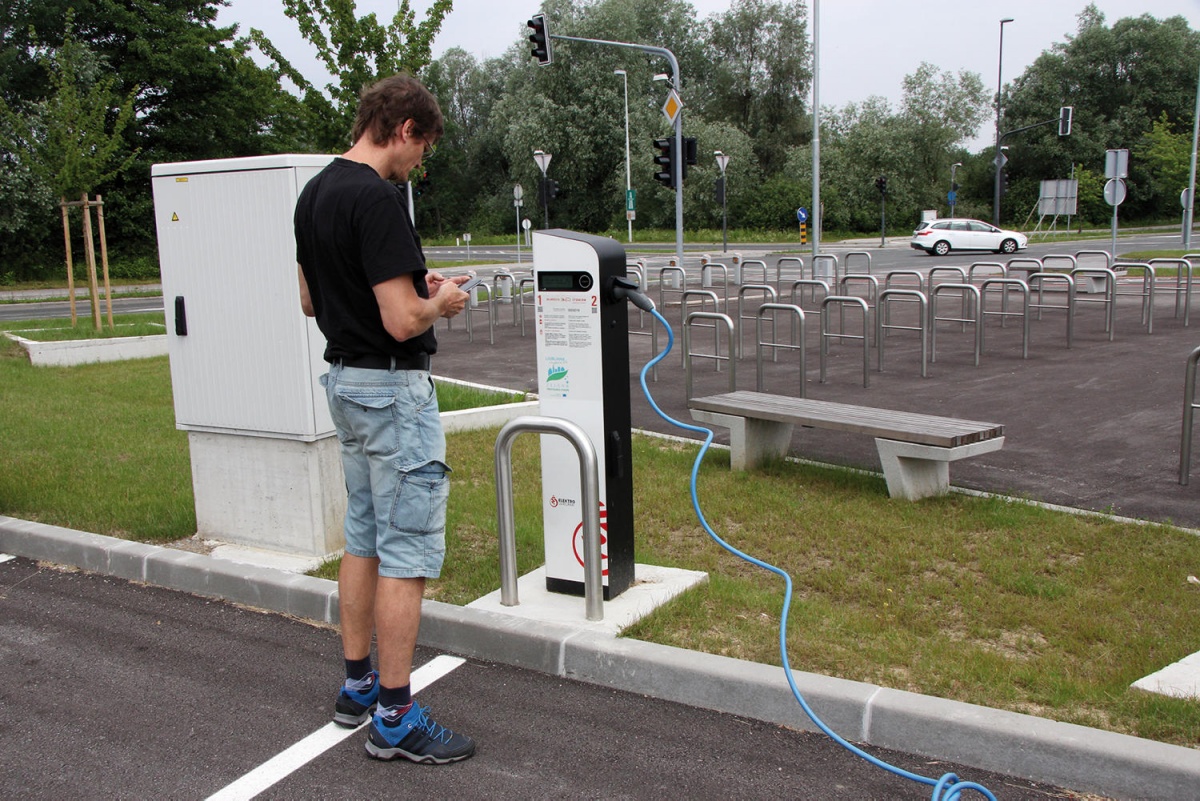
point(948, 787)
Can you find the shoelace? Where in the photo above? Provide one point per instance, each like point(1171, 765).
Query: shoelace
point(434, 730)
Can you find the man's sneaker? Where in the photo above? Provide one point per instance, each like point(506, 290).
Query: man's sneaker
point(356, 701)
point(416, 736)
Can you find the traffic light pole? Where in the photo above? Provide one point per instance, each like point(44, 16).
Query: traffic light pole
point(677, 167)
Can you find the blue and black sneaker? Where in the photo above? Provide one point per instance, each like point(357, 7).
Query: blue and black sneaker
point(414, 735)
point(356, 700)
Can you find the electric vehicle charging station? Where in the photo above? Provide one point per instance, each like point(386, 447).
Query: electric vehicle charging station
point(583, 376)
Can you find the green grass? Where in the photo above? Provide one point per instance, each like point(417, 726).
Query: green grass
point(59, 330)
point(981, 600)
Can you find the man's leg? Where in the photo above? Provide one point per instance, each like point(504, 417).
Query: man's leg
point(357, 584)
point(397, 617)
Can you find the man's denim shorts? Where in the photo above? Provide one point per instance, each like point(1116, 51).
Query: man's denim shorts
point(394, 456)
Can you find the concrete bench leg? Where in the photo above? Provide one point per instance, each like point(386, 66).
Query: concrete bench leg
point(751, 442)
point(920, 471)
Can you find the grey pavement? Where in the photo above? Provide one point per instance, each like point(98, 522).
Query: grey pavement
point(1093, 427)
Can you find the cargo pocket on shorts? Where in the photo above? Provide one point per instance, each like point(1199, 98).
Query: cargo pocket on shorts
point(420, 503)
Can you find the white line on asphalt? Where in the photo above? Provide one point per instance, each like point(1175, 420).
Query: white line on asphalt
point(297, 756)
point(6, 558)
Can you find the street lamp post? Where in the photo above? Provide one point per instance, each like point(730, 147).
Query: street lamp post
point(543, 161)
point(628, 177)
point(723, 162)
point(953, 186)
point(999, 154)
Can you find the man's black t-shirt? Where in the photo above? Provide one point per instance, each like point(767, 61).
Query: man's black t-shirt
point(353, 232)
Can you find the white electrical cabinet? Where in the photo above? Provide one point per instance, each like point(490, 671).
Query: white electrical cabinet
point(245, 361)
point(243, 357)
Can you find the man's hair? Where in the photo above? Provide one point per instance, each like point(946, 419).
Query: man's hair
point(386, 104)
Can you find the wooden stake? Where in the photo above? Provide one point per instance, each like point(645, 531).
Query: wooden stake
point(70, 267)
point(104, 257)
point(89, 249)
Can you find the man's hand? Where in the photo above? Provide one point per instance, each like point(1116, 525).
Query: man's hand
point(446, 293)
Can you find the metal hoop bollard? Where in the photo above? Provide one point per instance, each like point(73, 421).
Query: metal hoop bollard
point(662, 284)
point(473, 306)
point(1003, 284)
point(969, 292)
point(769, 296)
point(1040, 279)
point(829, 276)
point(1183, 288)
point(703, 294)
point(843, 289)
point(1108, 299)
point(688, 355)
point(883, 309)
point(797, 313)
point(826, 335)
point(714, 265)
point(1189, 410)
point(779, 269)
point(858, 254)
point(589, 479)
point(521, 304)
point(746, 265)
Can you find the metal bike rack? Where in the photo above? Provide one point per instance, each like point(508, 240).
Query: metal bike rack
point(663, 287)
point(703, 294)
point(1183, 286)
point(1004, 284)
point(979, 266)
point(1023, 264)
point(827, 335)
point(746, 265)
point(844, 286)
point(521, 294)
point(504, 280)
point(715, 265)
point(796, 313)
point(473, 306)
point(971, 306)
point(957, 272)
point(1189, 411)
point(1108, 298)
point(637, 271)
point(769, 296)
point(813, 284)
point(639, 275)
point(858, 254)
point(589, 479)
point(1146, 293)
point(1040, 279)
point(891, 277)
point(1050, 258)
point(882, 310)
point(1080, 255)
point(830, 263)
point(717, 357)
point(779, 269)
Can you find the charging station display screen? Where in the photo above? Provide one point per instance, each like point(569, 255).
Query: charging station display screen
point(564, 281)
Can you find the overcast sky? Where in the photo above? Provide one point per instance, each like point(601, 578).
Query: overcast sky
point(867, 46)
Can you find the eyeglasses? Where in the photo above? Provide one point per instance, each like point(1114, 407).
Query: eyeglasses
point(430, 149)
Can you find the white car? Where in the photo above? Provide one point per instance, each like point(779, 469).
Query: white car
point(939, 237)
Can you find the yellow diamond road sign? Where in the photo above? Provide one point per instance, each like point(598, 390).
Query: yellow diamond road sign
point(672, 107)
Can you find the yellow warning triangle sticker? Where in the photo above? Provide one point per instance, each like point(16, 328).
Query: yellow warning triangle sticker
point(174, 217)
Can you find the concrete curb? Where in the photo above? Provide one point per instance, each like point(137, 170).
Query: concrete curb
point(1070, 756)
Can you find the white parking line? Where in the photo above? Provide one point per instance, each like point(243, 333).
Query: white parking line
point(297, 756)
point(6, 558)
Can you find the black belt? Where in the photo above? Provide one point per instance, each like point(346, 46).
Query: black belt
point(377, 361)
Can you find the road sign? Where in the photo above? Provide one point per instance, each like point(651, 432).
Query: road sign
point(1184, 197)
point(1000, 161)
point(518, 192)
point(526, 224)
point(672, 107)
point(1116, 164)
point(631, 214)
point(630, 200)
point(802, 214)
point(951, 197)
point(1114, 191)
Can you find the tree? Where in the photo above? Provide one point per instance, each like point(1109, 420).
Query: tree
point(357, 51)
point(1120, 79)
point(761, 74)
point(73, 138)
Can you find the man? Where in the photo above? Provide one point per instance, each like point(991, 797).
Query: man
point(362, 275)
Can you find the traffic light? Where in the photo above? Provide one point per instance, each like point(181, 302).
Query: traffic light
point(720, 191)
point(664, 160)
point(1065, 115)
point(422, 184)
point(1003, 183)
point(689, 153)
point(551, 189)
point(540, 38)
point(881, 184)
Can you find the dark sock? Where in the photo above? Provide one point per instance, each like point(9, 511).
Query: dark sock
point(395, 696)
point(357, 669)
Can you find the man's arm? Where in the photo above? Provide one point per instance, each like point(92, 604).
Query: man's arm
point(305, 298)
point(406, 314)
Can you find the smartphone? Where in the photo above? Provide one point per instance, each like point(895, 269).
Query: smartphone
point(467, 286)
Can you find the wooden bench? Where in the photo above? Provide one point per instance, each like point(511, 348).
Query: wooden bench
point(914, 449)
